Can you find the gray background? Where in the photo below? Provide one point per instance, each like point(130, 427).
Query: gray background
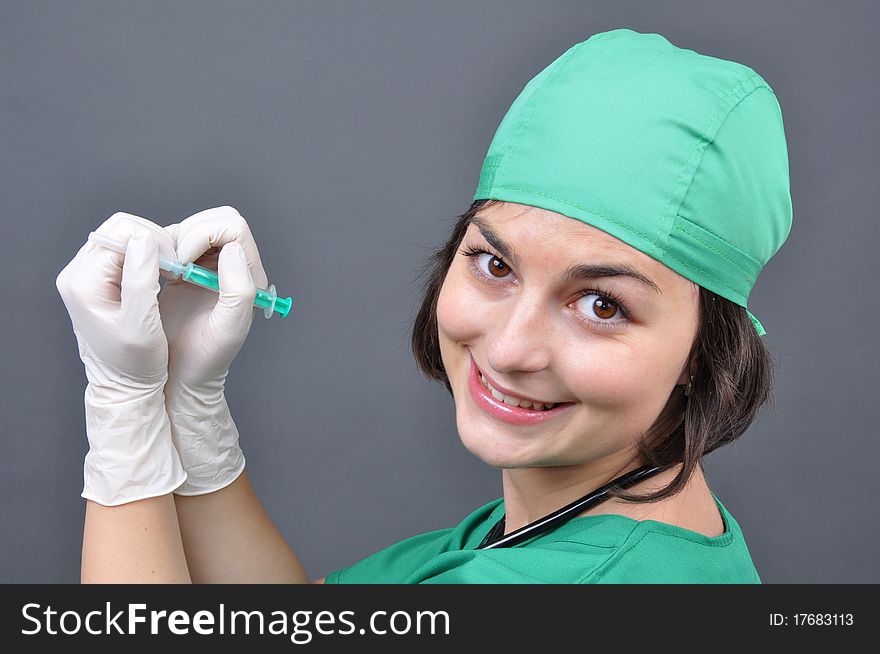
point(350, 134)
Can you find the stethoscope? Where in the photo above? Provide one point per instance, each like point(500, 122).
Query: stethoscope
point(495, 537)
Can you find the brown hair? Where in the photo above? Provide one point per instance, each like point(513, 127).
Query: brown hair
point(732, 368)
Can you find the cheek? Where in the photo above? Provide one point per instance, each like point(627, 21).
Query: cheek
point(613, 375)
point(458, 309)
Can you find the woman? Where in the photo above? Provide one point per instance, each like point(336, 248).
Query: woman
point(588, 315)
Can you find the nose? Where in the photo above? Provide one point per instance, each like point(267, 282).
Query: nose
point(519, 338)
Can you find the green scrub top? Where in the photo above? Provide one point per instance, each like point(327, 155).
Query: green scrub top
point(598, 549)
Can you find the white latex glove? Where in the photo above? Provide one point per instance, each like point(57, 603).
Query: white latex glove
point(111, 299)
point(205, 332)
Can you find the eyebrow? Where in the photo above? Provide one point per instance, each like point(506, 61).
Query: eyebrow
point(580, 271)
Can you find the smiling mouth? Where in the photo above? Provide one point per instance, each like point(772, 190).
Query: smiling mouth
point(513, 400)
point(516, 402)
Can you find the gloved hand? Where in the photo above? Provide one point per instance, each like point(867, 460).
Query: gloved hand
point(111, 299)
point(205, 333)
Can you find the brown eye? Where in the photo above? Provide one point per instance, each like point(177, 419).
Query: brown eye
point(604, 305)
point(605, 308)
point(497, 267)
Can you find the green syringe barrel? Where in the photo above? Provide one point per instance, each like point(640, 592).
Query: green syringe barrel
point(266, 299)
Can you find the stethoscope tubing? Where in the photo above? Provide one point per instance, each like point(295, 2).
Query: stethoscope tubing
point(567, 512)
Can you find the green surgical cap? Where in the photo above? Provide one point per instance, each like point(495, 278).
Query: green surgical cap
point(678, 154)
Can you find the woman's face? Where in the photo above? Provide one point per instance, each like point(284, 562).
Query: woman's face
point(540, 336)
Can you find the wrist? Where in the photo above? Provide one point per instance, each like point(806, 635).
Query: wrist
point(114, 415)
point(206, 438)
point(131, 453)
point(179, 391)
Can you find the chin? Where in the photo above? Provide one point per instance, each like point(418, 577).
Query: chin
point(501, 451)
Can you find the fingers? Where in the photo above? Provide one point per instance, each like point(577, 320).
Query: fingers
point(95, 273)
point(121, 225)
point(233, 313)
point(64, 282)
point(140, 276)
point(215, 228)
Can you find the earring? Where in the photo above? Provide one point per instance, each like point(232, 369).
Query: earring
point(687, 391)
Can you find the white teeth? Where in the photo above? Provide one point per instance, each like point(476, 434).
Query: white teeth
point(512, 401)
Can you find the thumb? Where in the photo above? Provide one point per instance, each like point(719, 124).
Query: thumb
point(140, 275)
point(171, 230)
point(234, 309)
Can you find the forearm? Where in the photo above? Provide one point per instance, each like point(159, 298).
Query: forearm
point(229, 538)
point(137, 542)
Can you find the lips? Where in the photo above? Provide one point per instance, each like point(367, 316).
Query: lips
point(482, 397)
point(508, 393)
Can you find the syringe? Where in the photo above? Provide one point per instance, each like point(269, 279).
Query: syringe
point(266, 299)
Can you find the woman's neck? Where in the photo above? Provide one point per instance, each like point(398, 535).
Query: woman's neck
point(532, 493)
